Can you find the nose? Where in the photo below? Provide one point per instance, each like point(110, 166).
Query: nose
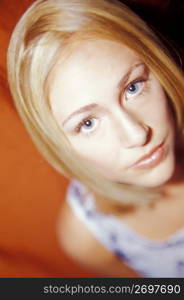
point(133, 132)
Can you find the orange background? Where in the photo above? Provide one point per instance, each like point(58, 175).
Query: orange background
point(31, 192)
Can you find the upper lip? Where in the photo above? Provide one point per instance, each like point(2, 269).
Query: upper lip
point(148, 155)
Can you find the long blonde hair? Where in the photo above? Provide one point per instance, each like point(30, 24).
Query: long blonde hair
point(48, 30)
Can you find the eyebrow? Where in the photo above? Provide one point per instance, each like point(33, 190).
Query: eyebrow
point(125, 78)
point(81, 110)
point(92, 106)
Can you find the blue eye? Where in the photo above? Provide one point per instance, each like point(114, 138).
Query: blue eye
point(87, 125)
point(134, 89)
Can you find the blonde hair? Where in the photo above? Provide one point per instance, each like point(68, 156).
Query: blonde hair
point(53, 27)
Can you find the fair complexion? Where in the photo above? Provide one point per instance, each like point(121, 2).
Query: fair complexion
point(114, 111)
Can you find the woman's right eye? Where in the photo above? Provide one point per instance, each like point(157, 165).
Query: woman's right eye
point(87, 125)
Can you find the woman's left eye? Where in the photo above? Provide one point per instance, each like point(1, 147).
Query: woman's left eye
point(134, 89)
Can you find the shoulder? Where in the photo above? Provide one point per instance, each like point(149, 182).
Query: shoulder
point(79, 243)
point(77, 240)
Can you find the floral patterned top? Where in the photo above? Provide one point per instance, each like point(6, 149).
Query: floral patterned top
point(149, 258)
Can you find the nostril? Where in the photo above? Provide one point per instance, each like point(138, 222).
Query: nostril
point(149, 134)
point(141, 136)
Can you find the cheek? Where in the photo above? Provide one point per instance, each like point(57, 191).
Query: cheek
point(102, 154)
point(161, 115)
point(164, 116)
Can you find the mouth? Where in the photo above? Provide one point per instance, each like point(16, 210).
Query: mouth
point(153, 158)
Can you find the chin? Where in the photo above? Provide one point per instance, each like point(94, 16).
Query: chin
point(160, 178)
point(160, 175)
point(156, 183)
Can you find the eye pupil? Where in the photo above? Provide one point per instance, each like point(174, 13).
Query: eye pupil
point(88, 123)
point(135, 88)
point(132, 88)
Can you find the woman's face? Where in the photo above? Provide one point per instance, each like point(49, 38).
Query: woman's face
point(114, 112)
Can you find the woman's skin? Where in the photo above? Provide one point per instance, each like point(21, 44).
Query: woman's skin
point(128, 117)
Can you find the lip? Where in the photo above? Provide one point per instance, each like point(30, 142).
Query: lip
point(154, 157)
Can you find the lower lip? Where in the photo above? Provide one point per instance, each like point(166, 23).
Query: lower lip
point(153, 160)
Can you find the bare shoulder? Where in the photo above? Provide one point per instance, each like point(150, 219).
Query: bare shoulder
point(80, 244)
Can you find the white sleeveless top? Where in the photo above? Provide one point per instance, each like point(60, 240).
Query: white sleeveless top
point(148, 258)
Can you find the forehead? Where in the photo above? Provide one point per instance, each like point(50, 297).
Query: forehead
point(91, 70)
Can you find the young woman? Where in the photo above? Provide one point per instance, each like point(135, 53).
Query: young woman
point(103, 101)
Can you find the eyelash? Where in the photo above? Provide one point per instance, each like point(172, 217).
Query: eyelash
point(78, 127)
point(138, 80)
point(89, 117)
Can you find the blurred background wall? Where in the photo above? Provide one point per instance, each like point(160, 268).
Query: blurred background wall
point(31, 192)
